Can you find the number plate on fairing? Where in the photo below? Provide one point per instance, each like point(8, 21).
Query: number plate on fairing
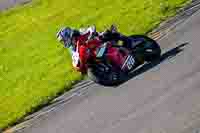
point(129, 63)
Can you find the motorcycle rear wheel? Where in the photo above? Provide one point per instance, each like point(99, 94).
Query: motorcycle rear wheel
point(149, 47)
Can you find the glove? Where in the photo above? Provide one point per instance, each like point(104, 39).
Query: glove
point(113, 29)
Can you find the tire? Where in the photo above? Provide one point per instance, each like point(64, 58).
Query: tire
point(150, 48)
point(106, 79)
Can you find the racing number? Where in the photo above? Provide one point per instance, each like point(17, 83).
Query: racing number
point(130, 62)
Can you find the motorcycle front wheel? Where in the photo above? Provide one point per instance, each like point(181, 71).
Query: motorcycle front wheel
point(110, 78)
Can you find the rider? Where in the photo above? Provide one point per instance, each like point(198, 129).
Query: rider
point(84, 43)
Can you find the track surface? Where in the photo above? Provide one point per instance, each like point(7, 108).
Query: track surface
point(5, 4)
point(163, 97)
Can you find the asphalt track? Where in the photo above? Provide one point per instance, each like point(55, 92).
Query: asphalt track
point(162, 97)
point(5, 4)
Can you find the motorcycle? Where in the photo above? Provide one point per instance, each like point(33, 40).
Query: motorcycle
point(114, 62)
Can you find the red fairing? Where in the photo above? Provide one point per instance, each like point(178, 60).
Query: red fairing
point(116, 58)
point(87, 50)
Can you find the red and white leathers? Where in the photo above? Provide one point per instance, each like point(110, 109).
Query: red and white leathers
point(85, 48)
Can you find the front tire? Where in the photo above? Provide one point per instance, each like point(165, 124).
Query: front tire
point(108, 79)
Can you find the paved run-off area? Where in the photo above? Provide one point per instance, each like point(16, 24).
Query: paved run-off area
point(164, 99)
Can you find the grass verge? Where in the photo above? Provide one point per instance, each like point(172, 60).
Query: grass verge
point(34, 68)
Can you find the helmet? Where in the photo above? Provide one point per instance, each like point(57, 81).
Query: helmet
point(65, 36)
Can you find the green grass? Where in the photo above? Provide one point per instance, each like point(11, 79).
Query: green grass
point(34, 68)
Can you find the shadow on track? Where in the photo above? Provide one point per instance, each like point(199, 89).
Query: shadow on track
point(165, 56)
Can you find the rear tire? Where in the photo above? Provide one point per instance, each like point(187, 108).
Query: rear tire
point(150, 47)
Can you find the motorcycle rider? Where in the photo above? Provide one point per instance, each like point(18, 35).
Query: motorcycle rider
point(84, 43)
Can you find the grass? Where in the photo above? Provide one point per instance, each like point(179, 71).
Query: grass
point(34, 68)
